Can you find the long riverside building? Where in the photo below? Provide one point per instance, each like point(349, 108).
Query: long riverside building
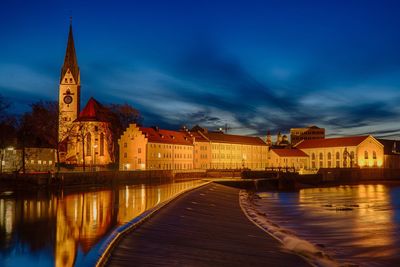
point(216, 150)
point(343, 152)
point(158, 149)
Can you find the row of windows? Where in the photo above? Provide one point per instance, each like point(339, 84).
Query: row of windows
point(169, 155)
point(170, 166)
point(66, 119)
point(70, 80)
point(233, 147)
point(345, 155)
point(170, 146)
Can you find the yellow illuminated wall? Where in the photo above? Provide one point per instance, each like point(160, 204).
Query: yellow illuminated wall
point(276, 161)
point(236, 156)
point(368, 153)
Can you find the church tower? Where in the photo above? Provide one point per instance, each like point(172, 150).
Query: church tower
point(69, 89)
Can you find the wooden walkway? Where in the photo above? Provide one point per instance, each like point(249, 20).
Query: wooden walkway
point(204, 227)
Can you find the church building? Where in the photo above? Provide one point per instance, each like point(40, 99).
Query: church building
point(85, 135)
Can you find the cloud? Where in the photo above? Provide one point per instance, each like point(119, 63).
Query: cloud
point(209, 87)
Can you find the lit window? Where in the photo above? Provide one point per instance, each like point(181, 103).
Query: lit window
point(44, 162)
point(39, 162)
point(50, 162)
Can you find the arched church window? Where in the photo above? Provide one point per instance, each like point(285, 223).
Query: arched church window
point(66, 80)
point(89, 144)
point(102, 144)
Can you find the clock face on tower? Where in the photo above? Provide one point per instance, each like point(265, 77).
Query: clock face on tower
point(67, 99)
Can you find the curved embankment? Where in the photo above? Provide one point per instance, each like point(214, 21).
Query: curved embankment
point(203, 227)
point(289, 240)
point(117, 234)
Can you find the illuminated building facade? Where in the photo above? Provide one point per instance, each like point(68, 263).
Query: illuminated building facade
point(36, 159)
point(216, 150)
point(158, 149)
point(288, 158)
point(86, 134)
point(307, 133)
point(69, 89)
point(90, 138)
point(343, 152)
point(144, 148)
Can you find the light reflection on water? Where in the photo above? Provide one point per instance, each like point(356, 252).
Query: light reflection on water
point(359, 224)
point(43, 229)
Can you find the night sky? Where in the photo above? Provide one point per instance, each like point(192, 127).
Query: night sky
point(254, 65)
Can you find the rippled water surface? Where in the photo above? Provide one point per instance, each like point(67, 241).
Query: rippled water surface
point(67, 229)
point(354, 224)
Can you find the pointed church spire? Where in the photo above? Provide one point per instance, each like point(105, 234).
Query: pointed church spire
point(70, 60)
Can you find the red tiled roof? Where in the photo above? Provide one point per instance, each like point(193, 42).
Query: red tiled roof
point(93, 111)
point(332, 142)
point(167, 136)
point(234, 139)
point(289, 152)
point(198, 137)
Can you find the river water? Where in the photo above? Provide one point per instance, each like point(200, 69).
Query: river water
point(68, 229)
point(353, 224)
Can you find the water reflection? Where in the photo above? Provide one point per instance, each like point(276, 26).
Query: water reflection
point(53, 230)
point(353, 223)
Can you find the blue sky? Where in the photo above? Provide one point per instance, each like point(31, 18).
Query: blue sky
point(254, 65)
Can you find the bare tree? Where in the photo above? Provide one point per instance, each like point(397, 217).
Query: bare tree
point(8, 133)
point(80, 133)
point(120, 116)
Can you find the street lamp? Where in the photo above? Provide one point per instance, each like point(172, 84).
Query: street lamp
point(94, 156)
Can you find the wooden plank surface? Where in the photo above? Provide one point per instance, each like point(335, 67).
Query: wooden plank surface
point(204, 227)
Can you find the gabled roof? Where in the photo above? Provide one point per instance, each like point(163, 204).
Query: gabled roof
point(156, 135)
point(289, 152)
point(332, 142)
point(94, 111)
point(390, 147)
point(234, 139)
point(70, 60)
point(199, 137)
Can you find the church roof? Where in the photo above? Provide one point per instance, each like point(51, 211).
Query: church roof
point(94, 111)
point(70, 60)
